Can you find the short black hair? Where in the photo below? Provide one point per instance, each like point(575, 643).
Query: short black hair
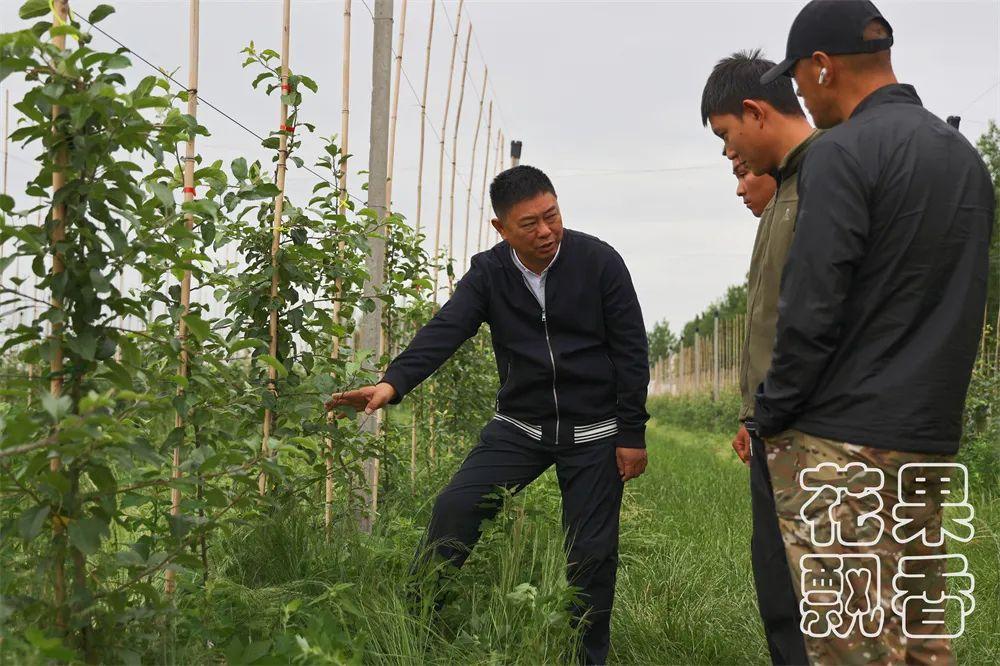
point(737, 78)
point(517, 184)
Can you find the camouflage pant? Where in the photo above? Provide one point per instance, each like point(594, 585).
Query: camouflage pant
point(815, 523)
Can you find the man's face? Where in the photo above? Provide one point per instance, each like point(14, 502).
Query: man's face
point(743, 139)
point(534, 228)
point(755, 191)
point(818, 99)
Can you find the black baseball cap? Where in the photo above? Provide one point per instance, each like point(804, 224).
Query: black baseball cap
point(835, 27)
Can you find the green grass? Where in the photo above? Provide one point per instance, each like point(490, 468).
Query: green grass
point(685, 590)
point(279, 593)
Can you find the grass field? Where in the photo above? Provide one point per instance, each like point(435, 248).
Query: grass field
point(685, 592)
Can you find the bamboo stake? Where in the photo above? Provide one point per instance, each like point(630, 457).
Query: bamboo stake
point(497, 165)
point(279, 202)
point(472, 170)
point(60, 11)
point(192, 109)
point(486, 168)
point(444, 130)
point(6, 142)
point(420, 189)
point(454, 161)
point(423, 121)
point(395, 105)
point(345, 115)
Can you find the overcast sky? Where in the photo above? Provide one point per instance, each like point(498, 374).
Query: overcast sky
point(604, 95)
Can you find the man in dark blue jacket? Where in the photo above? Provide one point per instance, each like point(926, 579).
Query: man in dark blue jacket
point(572, 356)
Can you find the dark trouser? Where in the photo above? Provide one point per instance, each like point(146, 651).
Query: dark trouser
point(591, 494)
point(779, 607)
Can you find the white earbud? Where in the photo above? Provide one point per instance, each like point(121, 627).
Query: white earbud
point(822, 75)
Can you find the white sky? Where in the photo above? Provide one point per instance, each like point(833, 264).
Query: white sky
point(604, 95)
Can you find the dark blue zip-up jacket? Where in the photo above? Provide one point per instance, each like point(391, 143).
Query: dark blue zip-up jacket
point(572, 374)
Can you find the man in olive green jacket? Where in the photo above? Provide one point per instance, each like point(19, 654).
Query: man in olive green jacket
point(763, 127)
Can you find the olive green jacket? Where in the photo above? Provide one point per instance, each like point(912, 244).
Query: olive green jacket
point(770, 249)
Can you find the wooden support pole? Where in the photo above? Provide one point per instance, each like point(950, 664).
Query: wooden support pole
point(189, 192)
point(715, 358)
point(454, 160)
point(472, 170)
point(56, 236)
point(395, 106)
point(444, 130)
point(371, 322)
point(423, 119)
point(279, 202)
point(486, 170)
point(497, 168)
point(345, 116)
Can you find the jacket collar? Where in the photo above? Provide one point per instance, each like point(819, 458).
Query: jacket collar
point(894, 93)
point(790, 164)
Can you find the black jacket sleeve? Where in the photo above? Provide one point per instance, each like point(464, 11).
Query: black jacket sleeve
point(629, 351)
point(441, 337)
point(831, 234)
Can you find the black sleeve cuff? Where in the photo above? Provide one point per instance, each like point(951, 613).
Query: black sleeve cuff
point(631, 439)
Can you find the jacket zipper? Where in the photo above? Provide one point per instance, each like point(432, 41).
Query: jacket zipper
point(555, 396)
point(506, 379)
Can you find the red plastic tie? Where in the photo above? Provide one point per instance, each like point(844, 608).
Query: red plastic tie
point(287, 128)
point(189, 190)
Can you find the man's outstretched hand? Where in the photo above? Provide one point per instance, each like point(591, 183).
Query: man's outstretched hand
point(367, 398)
point(631, 462)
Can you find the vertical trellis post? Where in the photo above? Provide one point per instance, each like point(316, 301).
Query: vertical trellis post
point(423, 121)
point(443, 135)
point(454, 160)
point(497, 168)
point(189, 192)
point(715, 358)
point(371, 322)
point(486, 168)
point(279, 203)
point(60, 11)
point(395, 105)
point(472, 170)
point(345, 116)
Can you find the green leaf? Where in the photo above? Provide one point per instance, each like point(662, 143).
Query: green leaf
point(56, 407)
point(100, 13)
point(6, 203)
point(163, 193)
point(198, 326)
point(31, 521)
point(86, 534)
point(34, 8)
point(274, 363)
point(239, 167)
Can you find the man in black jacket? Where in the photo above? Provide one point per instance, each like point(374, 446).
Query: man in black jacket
point(572, 356)
point(879, 320)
